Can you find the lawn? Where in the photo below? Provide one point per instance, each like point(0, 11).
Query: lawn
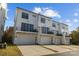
point(11, 50)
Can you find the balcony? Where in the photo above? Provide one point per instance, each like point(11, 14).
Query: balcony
point(34, 30)
point(67, 36)
point(50, 32)
point(59, 34)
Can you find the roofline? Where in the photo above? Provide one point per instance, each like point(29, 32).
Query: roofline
point(32, 12)
point(63, 24)
point(59, 22)
point(39, 14)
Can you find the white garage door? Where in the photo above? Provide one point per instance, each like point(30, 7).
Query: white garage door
point(45, 40)
point(26, 39)
point(56, 41)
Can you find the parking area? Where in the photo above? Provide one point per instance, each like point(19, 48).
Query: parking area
point(39, 50)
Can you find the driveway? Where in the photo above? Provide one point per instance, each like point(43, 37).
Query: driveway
point(40, 50)
point(70, 53)
point(31, 50)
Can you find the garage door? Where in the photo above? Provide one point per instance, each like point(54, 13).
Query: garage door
point(56, 41)
point(25, 39)
point(45, 40)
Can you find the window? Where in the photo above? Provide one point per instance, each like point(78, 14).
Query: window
point(63, 27)
point(23, 27)
point(34, 15)
point(59, 33)
point(43, 20)
point(45, 29)
point(27, 27)
point(53, 25)
point(66, 33)
point(25, 15)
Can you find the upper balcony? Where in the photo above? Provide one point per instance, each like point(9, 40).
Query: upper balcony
point(50, 32)
point(46, 30)
point(33, 30)
point(28, 27)
point(59, 33)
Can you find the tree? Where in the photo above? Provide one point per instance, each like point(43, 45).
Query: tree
point(75, 37)
point(8, 35)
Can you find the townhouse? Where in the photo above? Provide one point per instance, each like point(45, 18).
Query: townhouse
point(33, 28)
point(3, 15)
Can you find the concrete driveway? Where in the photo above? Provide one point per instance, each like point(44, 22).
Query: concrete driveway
point(31, 50)
point(39, 50)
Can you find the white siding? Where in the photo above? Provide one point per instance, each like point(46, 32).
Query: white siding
point(31, 20)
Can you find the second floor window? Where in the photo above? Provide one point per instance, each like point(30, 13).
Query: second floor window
point(53, 25)
point(27, 27)
point(45, 29)
point(43, 20)
point(25, 15)
point(63, 27)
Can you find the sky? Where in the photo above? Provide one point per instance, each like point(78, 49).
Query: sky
point(67, 13)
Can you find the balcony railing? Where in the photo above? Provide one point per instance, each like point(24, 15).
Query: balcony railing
point(59, 34)
point(67, 36)
point(50, 32)
point(34, 30)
